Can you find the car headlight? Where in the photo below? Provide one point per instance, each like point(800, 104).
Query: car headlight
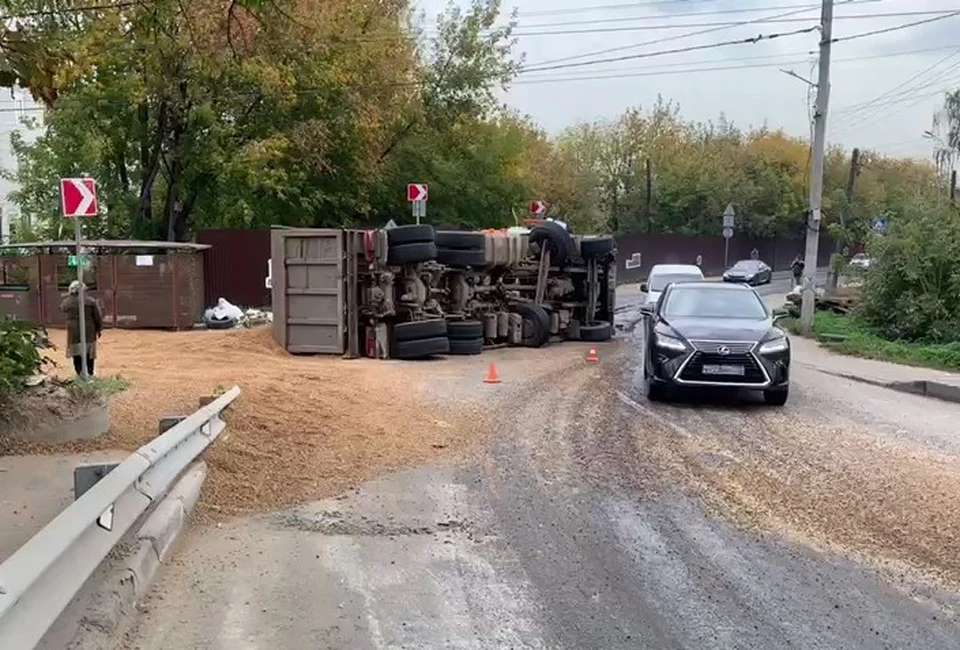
point(773, 347)
point(670, 343)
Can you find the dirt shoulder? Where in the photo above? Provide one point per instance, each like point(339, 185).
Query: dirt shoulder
point(304, 427)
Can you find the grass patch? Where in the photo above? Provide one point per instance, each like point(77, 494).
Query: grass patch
point(859, 340)
point(100, 385)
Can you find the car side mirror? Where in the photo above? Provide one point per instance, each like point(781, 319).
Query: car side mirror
point(643, 287)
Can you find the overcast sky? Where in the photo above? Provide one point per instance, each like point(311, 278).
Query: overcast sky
point(880, 70)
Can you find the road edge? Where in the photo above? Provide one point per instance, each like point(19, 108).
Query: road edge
point(133, 571)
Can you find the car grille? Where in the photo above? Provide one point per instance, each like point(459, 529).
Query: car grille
point(735, 347)
point(752, 373)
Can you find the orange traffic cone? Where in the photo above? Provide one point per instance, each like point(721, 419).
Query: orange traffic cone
point(493, 377)
point(592, 356)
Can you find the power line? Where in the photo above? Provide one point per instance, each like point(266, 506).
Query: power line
point(522, 26)
point(623, 74)
point(782, 55)
point(895, 28)
point(642, 28)
point(669, 38)
point(614, 7)
point(916, 77)
point(679, 50)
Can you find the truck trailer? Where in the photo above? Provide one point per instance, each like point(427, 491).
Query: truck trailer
point(412, 292)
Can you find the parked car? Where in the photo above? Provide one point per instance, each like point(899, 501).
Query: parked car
point(709, 334)
point(751, 272)
point(662, 275)
point(860, 261)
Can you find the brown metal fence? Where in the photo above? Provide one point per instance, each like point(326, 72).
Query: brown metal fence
point(661, 248)
point(236, 267)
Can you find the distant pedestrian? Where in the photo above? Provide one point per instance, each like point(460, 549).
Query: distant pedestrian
point(93, 327)
point(754, 254)
point(796, 267)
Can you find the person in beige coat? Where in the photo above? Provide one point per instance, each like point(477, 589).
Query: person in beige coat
point(93, 326)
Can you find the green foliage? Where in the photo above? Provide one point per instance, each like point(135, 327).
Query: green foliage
point(19, 355)
point(912, 289)
point(859, 339)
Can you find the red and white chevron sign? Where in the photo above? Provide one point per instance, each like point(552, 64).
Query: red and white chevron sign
point(78, 197)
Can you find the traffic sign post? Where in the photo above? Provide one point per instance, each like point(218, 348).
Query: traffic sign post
point(729, 218)
point(417, 195)
point(78, 198)
point(538, 208)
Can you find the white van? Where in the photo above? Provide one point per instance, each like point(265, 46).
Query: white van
point(663, 274)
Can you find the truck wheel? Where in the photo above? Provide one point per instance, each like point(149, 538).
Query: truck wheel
point(412, 253)
point(596, 332)
point(536, 325)
point(422, 233)
point(463, 241)
point(422, 348)
point(466, 346)
point(596, 247)
point(465, 330)
point(556, 238)
point(461, 258)
point(420, 329)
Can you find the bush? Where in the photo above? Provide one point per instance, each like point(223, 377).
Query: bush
point(912, 289)
point(19, 354)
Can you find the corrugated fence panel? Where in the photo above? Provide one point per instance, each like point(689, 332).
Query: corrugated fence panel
point(236, 267)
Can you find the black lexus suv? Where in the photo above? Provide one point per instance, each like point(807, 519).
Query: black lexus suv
point(712, 334)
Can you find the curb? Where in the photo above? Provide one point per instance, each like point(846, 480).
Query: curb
point(923, 387)
point(132, 574)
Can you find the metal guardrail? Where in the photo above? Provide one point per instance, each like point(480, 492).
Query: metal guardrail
point(42, 577)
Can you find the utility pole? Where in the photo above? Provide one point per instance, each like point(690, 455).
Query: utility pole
point(953, 187)
point(649, 207)
point(816, 170)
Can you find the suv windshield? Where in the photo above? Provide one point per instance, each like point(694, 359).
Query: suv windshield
point(713, 303)
point(660, 280)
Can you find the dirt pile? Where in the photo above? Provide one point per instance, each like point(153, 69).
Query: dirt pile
point(303, 428)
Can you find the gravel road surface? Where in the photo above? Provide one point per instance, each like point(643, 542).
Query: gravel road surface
point(592, 518)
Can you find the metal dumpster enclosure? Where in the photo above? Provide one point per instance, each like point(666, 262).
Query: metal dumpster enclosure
point(138, 284)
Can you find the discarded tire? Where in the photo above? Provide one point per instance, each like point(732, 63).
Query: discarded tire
point(556, 238)
point(412, 253)
point(461, 258)
point(596, 332)
point(465, 330)
point(466, 346)
point(220, 323)
point(421, 329)
point(464, 241)
point(421, 233)
point(596, 247)
point(422, 348)
point(536, 325)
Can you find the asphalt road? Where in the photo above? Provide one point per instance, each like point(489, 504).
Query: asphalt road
point(592, 518)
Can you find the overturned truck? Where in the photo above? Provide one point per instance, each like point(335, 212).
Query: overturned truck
point(411, 292)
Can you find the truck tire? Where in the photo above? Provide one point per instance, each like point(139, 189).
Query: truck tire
point(596, 332)
point(461, 258)
point(596, 247)
point(422, 348)
point(536, 324)
point(462, 241)
point(420, 329)
point(412, 253)
point(465, 330)
point(556, 238)
point(413, 234)
point(466, 346)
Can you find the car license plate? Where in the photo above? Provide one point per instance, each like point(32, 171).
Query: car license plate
point(728, 370)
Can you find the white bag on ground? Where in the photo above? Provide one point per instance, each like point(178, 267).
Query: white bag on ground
point(224, 310)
